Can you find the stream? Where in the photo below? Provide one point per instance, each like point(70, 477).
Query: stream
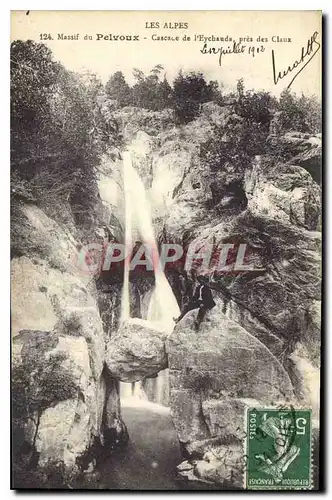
point(152, 453)
point(149, 460)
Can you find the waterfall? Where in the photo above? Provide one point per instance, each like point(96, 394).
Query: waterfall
point(163, 305)
point(127, 168)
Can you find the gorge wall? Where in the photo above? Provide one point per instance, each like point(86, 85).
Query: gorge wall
point(259, 345)
point(274, 207)
point(66, 404)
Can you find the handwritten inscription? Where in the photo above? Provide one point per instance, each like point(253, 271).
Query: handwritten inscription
point(235, 48)
point(310, 50)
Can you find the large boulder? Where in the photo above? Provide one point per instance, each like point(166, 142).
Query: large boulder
point(215, 375)
point(209, 368)
point(136, 350)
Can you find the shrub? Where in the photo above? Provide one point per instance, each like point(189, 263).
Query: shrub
point(71, 325)
point(60, 127)
point(37, 384)
point(189, 92)
point(301, 114)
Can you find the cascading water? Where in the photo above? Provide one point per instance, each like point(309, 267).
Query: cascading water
point(163, 305)
point(138, 219)
point(125, 304)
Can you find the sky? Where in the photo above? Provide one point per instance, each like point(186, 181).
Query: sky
point(299, 30)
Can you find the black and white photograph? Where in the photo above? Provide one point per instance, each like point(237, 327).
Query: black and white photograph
point(166, 220)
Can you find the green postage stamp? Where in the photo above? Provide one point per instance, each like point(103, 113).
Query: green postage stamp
point(278, 449)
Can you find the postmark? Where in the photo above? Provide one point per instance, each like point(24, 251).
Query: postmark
point(278, 449)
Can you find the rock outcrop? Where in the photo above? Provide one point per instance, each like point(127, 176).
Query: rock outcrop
point(136, 350)
point(215, 374)
point(58, 349)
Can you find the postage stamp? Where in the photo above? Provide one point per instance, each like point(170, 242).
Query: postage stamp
point(278, 449)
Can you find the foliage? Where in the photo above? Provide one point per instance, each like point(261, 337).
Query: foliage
point(54, 475)
point(189, 92)
point(236, 143)
point(243, 134)
point(151, 122)
point(118, 90)
point(254, 106)
point(150, 91)
point(71, 325)
point(60, 127)
point(199, 380)
point(38, 384)
point(301, 114)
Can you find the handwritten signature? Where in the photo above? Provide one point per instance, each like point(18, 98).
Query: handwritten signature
point(307, 51)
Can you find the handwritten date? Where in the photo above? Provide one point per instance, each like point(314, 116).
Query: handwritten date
point(236, 48)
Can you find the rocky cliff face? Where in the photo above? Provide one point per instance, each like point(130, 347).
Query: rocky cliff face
point(215, 374)
point(270, 318)
point(65, 402)
point(259, 346)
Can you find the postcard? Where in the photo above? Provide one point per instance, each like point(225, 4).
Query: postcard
point(166, 250)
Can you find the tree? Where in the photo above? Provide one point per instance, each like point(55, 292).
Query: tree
point(33, 75)
point(302, 114)
point(155, 73)
point(118, 90)
point(243, 135)
point(164, 94)
point(58, 130)
point(240, 89)
point(149, 91)
point(189, 92)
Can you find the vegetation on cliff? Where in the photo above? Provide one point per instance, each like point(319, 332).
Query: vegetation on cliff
point(60, 127)
point(63, 122)
point(199, 146)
